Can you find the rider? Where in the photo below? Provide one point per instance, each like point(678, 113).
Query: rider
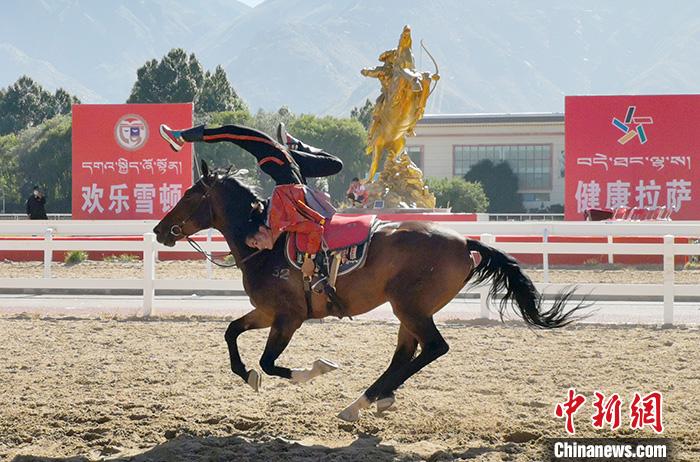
point(289, 162)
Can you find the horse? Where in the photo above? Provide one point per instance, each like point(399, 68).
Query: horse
point(418, 267)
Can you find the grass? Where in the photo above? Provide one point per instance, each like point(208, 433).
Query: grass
point(74, 257)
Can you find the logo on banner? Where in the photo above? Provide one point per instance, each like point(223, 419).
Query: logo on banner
point(131, 132)
point(632, 126)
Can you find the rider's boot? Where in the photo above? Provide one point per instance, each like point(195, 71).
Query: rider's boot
point(173, 137)
point(177, 138)
point(292, 143)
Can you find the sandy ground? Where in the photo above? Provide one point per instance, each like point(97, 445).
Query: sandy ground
point(198, 270)
point(90, 389)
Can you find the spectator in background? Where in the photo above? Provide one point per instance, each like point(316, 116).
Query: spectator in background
point(35, 205)
point(357, 192)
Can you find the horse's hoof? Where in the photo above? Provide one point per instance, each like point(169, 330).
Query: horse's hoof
point(324, 366)
point(349, 414)
point(254, 379)
point(385, 403)
point(352, 412)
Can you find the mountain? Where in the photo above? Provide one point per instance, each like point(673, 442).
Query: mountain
point(96, 46)
point(494, 56)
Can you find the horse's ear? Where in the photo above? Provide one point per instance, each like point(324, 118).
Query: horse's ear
point(205, 169)
point(257, 206)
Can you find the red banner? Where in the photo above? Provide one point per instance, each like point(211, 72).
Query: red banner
point(633, 151)
point(122, 168)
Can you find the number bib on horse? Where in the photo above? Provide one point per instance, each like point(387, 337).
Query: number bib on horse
point(349, 235)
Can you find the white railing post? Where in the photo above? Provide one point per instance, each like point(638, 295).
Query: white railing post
point(669, 274)
point(48, 252)
point(545, 255)
point(484, 289)
point(611, 258)
point(207, 260)
point(149, 272)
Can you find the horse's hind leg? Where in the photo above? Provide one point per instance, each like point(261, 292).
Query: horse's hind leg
point(405, 350)
point(253, 320)
point(433, 345)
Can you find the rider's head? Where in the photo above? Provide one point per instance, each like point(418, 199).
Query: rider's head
point(260, 238)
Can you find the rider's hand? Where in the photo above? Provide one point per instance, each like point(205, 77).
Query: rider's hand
point(308, 267)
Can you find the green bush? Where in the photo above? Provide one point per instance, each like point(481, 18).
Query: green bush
point(75, 256)
point(462, 196)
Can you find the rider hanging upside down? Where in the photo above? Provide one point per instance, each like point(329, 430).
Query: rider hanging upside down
point(289, 162)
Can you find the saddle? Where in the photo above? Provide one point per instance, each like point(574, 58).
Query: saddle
point(345, 235)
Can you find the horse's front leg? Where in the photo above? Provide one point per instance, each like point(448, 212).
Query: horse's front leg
point(256, 319)
point(281, 333)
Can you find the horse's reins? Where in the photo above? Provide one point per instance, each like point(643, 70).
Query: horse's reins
point(195, 245)
point(176, 230)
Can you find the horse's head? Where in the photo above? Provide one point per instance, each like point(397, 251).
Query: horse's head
point(216, 200)
point(192, 213)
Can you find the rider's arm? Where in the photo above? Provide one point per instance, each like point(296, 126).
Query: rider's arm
point(374, 72)
point(313, 232)
point(309, 213)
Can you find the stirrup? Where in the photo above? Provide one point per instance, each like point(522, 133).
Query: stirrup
point(320, 285)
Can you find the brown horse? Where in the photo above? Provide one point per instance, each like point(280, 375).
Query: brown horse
point(416, 266)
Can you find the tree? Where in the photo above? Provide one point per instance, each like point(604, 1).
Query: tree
point(26, 104)
point(9, 179)
point(363, 114)
point(179, 78)
point(499, 183)
point(460, 195)
point(217, 95)
point(345, 138)
point(39, 155)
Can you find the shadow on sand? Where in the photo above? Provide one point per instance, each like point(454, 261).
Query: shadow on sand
point(237, 448)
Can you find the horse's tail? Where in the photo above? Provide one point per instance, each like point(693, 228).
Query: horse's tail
point(519, 291)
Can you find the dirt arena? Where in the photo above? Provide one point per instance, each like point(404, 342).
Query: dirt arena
point(109, 389)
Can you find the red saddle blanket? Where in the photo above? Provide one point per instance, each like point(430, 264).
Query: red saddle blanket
point(340, 232)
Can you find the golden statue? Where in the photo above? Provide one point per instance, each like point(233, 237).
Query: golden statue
point(398, 108)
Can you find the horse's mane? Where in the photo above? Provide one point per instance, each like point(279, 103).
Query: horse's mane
point(239, 202)
point(231, 179)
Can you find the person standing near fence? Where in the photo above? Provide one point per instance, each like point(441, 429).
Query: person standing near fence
point(36, 205)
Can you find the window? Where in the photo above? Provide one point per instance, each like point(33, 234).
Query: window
point(416, 155)
point(532, 163)
point(535, 197)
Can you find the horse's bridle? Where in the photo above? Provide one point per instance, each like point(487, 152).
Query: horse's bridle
point(176, 231)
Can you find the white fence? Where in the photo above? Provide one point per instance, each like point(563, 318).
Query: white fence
point(487, 230)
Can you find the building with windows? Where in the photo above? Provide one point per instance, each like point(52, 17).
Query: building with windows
point(447, 145)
